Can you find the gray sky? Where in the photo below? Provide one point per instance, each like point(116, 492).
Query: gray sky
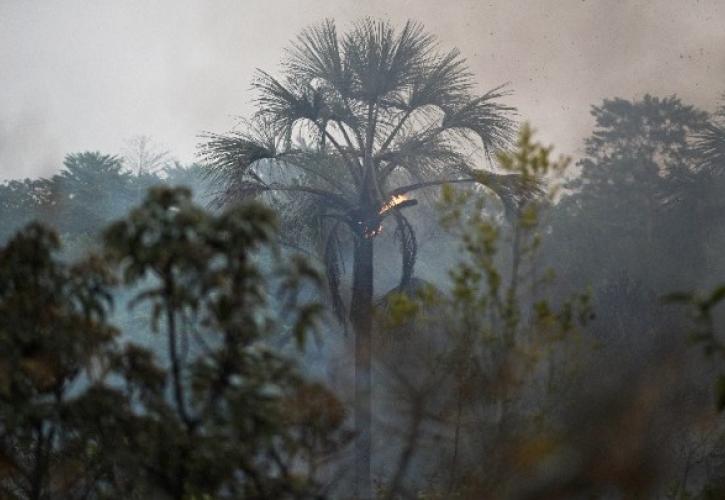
point(78, 75)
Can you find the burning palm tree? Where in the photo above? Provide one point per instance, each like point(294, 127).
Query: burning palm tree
point(355, 125)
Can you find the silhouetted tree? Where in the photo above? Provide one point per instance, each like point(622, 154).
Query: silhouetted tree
point(237, 421)
point(142, 155)
point(616, 220)
point(91, 190)
point(222, 416)
point(357, 124)
point(54, 342)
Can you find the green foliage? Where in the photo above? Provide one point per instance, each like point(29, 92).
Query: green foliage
point(23, 201)
point(630, 187)
point(77, 191)
point(480, 364)
point(91, 190)
point(54, 342)
point(199, 274)
point(702, 309)
point(225, 416)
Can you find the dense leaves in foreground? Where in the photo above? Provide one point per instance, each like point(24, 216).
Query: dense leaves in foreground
point(83, 415)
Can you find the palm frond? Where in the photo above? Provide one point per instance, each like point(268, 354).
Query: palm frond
point(441, 83)
point(316, 55)
point(322, 169)
point(343, 111)
point(485, 117)
point(405, 234)
point(284, 105)
point(332, 258)
point(710, 147)
point(230, 159)
point(512, 189)
point(383, 62)
point(422, 156)
point(234, 164)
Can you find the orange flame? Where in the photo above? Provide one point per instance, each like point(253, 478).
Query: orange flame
point(394, 201)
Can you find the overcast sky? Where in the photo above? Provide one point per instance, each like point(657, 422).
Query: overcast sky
point(87, 75)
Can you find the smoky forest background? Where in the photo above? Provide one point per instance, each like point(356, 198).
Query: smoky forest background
point(381, 283)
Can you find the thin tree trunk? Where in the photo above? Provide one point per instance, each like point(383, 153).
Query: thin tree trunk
point(456, 441)
point(173, 354)
point(179, 482)
point(38, 472)
point(361, 318)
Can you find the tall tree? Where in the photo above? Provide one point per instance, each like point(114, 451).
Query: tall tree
point(357, 123)
point(617, 219)
point(238, 421)
point(91, 190)
point(145, 159)
point(142, 155)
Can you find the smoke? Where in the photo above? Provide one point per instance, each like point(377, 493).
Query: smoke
point(95, 73)
point(28, 146)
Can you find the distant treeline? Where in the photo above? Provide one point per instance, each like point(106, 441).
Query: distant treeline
point(90, 190)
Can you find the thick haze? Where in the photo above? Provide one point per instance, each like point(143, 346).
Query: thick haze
point(79, 75)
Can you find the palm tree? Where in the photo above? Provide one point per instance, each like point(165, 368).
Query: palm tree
point(356, 125)
point(710, 142)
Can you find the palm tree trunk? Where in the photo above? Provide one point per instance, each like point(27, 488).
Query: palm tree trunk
point(361, 316)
